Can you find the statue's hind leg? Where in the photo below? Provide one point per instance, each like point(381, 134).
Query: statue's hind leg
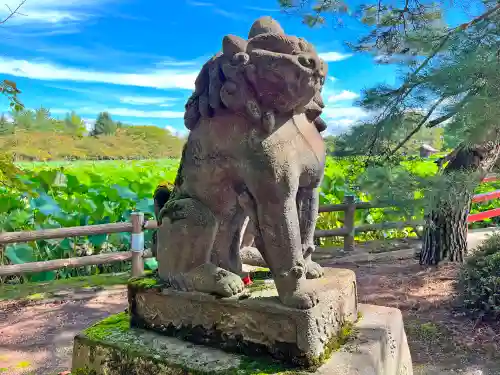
point(185, 240)
point(226, 248)
point(308, 205)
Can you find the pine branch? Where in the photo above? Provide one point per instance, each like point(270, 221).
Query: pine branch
point(449, 115)
point(12, 12)
point(407, 87)
point(482, 17)
point(405, 90)
point(419, 126)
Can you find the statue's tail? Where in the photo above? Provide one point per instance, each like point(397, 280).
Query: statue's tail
point(160, 197)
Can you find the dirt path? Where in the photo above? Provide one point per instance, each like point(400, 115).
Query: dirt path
point(37, 339)
point(442, 340)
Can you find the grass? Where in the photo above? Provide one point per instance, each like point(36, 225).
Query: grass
point(40, 291)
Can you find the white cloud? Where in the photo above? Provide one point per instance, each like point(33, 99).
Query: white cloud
point(48, 16)
point(89, 123)
point(343, 95)
point(334, 56)
point(215, 9)
point(332, 78)
point(340, 119)
point(158, 78)
point(51, 11)
point(200, 4)
point(171, 62)
point(125, 112)
point(259, 9)
point(147, 100)
point(337, 113)
point(178, 133)
point(8, 117)
point(227, 14)
point(338, 127)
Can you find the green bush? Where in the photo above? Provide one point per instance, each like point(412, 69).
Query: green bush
point(479, 280)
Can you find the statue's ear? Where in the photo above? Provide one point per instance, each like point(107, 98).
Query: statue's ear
point(232, 44)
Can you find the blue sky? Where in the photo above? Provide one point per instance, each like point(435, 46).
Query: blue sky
point(138, 60)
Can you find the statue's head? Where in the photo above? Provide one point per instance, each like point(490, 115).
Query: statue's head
point(270, 73)
point(288, 71)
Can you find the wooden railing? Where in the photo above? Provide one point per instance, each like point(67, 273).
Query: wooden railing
point(138, 225)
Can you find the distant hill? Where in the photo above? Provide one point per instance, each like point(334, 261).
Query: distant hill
point(134, 142)
point(30, 135)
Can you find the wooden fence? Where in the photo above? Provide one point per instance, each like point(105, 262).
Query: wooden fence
point(138, 225)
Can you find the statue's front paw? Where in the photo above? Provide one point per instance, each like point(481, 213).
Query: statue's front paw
point(302, 300)
point(211, 279)
point(227, 283)
point(313, 270)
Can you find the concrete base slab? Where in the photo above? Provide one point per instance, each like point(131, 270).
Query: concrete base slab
point(256, 323)
point(377, 347)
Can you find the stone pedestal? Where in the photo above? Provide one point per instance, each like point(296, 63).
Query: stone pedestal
point(165, 332)
point(254, 324)
point(375, 346)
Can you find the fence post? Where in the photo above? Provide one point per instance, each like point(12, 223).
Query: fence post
point(349, 213)
point(137, 243)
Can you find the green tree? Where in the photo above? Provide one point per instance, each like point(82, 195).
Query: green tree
point(42, 120)
point(157, 139)
point(9, 89)
point(104, 125)
point(6, 127)
point(24, 119)
point(8, 170)
point(330, 141)
point(354, 141)
point(459, 83)
point(74, 124)
point(452, 76)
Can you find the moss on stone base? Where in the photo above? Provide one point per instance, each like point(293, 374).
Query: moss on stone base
point(143, 282)
point(259, 285)
point(261, 274)
point(112, 324)
point(284, 352)
point(125, 349)
point(346, 333)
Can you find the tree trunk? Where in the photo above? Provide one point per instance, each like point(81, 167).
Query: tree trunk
point(445, 233)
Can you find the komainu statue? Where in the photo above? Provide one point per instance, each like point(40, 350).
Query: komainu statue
point(254, 153)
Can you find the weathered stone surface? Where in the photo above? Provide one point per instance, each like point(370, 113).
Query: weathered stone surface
point(250, 169)
point(377, 347)
point(380, 347)
point(257, 324)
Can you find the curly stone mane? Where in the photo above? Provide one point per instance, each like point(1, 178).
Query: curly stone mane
point(257, 77)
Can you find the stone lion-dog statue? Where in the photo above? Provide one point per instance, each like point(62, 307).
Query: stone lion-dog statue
point(255, 153)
